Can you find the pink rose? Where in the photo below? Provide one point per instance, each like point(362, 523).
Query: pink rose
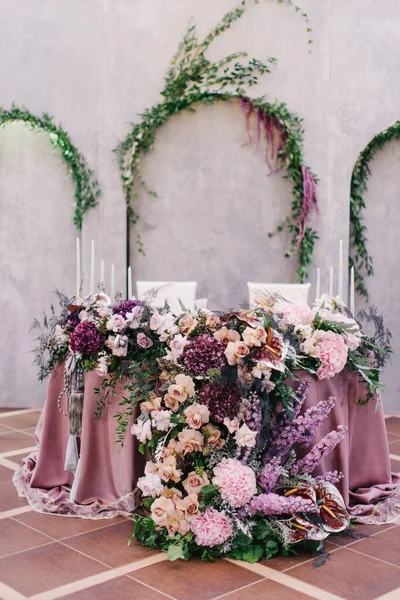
point(190, 506)
point(143, 340)
point(235, 351)
point(187, 323)
point(116, 323)
point(187, 384)
point(254, 336)
point(178, 391)
point(194, 483)
point(213, 436)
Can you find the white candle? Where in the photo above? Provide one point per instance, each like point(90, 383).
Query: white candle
point(352, 292)
point(92, 267)
point(318, 291)
point(340, 281)
point(112, 283)
point(102, 274)
point(130, 292)
point(78, 268)
point(331, 282)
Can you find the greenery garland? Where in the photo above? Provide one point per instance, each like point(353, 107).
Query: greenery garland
point(192, 79)
point(360, 258)
point(87, 189)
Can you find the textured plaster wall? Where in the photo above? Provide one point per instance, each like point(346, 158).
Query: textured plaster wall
point(96, 64)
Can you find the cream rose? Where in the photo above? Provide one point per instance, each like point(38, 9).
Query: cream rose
point(177, 524)
point(235, 351)
point(190, 506)
point(172, 493)
point(212, 435)
point(254, 337)
point(178, 391)
point(225, 335)
point(231, 425)
point(150, 405)
point(191, 440)
point(213, 322)
point(162, 509)
point(245, 437)
point(168, 471)
point(187, 323)
point(186, 383)
point(196, 415)
point(194, 483)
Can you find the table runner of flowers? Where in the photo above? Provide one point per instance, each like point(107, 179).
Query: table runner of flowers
point(212, 399)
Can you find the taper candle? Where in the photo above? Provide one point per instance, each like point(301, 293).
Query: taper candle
point(130, 292)
point(92, 268)
point(112, 283)
point(318, 290)
point(78, 268)
point(102, 274)
point(340, 280)
point(352, 292)
point(331, 282)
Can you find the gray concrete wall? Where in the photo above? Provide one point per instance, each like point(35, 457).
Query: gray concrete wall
point(95, 64)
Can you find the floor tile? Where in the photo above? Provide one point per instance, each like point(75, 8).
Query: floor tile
point(122, 588)
point(9, 497)
point(15, 440)
point(4, 429)
point(21, 421)
point(351, 576)
point(385, 546)
point(195, 580)
point(7, 409)
point(359, 532)
point(267, 590)
point(45, 568)
point(395, 464)
point(281, 563)
point(5, 474)
point(15, 537)
point(59, 527)
point(393, 437)
point(393, 425)
point(110, 545)
point(18, 456)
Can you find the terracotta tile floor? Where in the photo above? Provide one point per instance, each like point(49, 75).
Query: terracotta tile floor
point(47, 557)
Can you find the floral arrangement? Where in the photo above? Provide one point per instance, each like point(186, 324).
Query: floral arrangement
point(210, 396)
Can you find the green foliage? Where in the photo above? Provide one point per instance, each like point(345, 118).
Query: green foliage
point(87, 189)
point(360, 258)
point(191, 79)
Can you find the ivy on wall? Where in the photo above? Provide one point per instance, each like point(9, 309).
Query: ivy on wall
point(191, 79)
point(360, 258)
point(87, 188)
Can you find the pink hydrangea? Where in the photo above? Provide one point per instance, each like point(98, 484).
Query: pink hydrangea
point(331, 349)
point(212, 528)
point(295, 314)
point(236, 482)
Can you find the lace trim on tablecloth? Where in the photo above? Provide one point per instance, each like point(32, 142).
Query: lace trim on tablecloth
point(41, 501)
point(382, 513)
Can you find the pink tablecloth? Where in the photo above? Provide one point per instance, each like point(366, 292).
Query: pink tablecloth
point(108, 474)
point(370, 490)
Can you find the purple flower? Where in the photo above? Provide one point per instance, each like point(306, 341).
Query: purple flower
point(223, 399)
point(273, 504)
point(73, 318)
point(270, 474)
point(204, 353)
point(126, 306)
point(324, 447)
point(86, 339)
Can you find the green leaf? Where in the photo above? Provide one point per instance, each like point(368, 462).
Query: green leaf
point(208, 492)
point(176, 552)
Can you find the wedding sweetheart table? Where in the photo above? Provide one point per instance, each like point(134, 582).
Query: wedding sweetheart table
point(108, 473)
point(238, 433)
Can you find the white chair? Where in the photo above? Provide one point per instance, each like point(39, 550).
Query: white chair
point(294, 292)
point(158, 292)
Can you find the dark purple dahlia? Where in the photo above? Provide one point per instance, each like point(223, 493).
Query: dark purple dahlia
point(204, 353)
point(86, 339)
point(73, 318)
point(223, 399)
point(126, 306)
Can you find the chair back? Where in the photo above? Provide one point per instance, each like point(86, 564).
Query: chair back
point(158, 292)
point(294, 292)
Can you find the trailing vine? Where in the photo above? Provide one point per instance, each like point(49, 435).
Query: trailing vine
point(192, 79)
point(87, 189)
point(360, 258)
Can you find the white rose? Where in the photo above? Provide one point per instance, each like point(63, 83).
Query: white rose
point(150, 485)
point(245, 437)
point(142, 430)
